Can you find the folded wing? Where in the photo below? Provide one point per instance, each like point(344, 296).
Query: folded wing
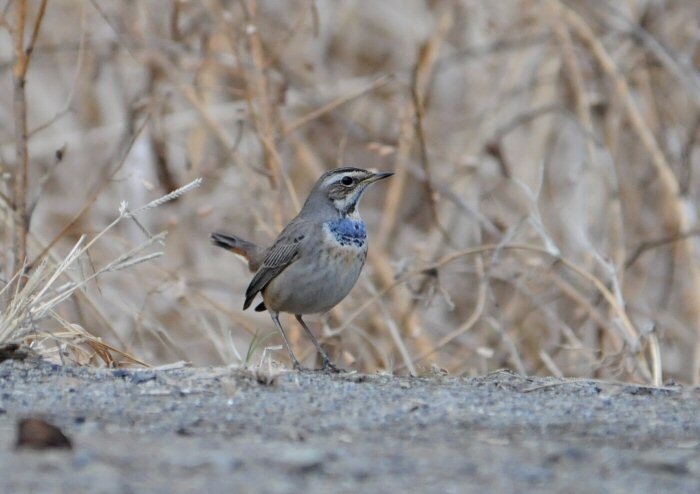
point(283, 252)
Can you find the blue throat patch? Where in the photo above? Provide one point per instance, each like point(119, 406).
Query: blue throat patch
point(348, 232)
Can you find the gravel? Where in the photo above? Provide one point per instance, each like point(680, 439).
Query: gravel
point(226, 430)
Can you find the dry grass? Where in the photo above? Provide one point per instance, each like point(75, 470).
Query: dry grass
point(542, 216)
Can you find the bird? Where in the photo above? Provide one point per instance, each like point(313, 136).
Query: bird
point(316, 259)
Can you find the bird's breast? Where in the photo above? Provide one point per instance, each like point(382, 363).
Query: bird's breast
point(345, 245)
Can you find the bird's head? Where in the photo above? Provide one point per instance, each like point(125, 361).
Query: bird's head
point(343, 187)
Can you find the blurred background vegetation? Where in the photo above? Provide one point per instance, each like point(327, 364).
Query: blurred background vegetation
point(543, 216)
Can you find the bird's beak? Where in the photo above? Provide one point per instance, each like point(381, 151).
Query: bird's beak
point(378, 176)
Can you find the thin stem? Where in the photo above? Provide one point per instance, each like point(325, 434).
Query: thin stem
point(19, 190)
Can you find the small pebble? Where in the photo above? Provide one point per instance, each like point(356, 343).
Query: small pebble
point(35, 433)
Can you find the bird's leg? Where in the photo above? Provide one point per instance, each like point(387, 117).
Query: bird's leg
point(327, 364)
point(295, 363)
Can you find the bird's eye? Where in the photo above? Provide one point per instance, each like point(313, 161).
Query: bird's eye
point(347, 181)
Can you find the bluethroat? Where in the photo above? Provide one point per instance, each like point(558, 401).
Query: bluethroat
point(316, 260)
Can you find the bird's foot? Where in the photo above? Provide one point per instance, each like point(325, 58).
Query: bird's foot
point(300, 368)
point(331, 368)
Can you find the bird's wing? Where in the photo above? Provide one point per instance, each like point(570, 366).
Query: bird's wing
point(283, 252)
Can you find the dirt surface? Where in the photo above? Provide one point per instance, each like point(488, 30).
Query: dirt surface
point(223, 430)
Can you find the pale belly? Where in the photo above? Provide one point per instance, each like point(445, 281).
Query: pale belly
point(317, 284)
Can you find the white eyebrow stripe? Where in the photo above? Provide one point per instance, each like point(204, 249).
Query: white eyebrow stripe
point(337, 177)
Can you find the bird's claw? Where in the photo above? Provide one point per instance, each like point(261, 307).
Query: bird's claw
point(330, 367)
point(300, 368)
point(327, 366)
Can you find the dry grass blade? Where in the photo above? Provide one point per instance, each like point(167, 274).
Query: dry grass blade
point(468, 323)
point(336, 103)
point(38, 297)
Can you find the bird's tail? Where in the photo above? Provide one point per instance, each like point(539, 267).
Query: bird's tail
point(248, 250)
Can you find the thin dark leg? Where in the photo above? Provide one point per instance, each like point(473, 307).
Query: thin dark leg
point(327, 364)
point(295, 362)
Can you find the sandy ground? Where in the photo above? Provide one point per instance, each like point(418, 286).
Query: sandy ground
point(223, 430)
